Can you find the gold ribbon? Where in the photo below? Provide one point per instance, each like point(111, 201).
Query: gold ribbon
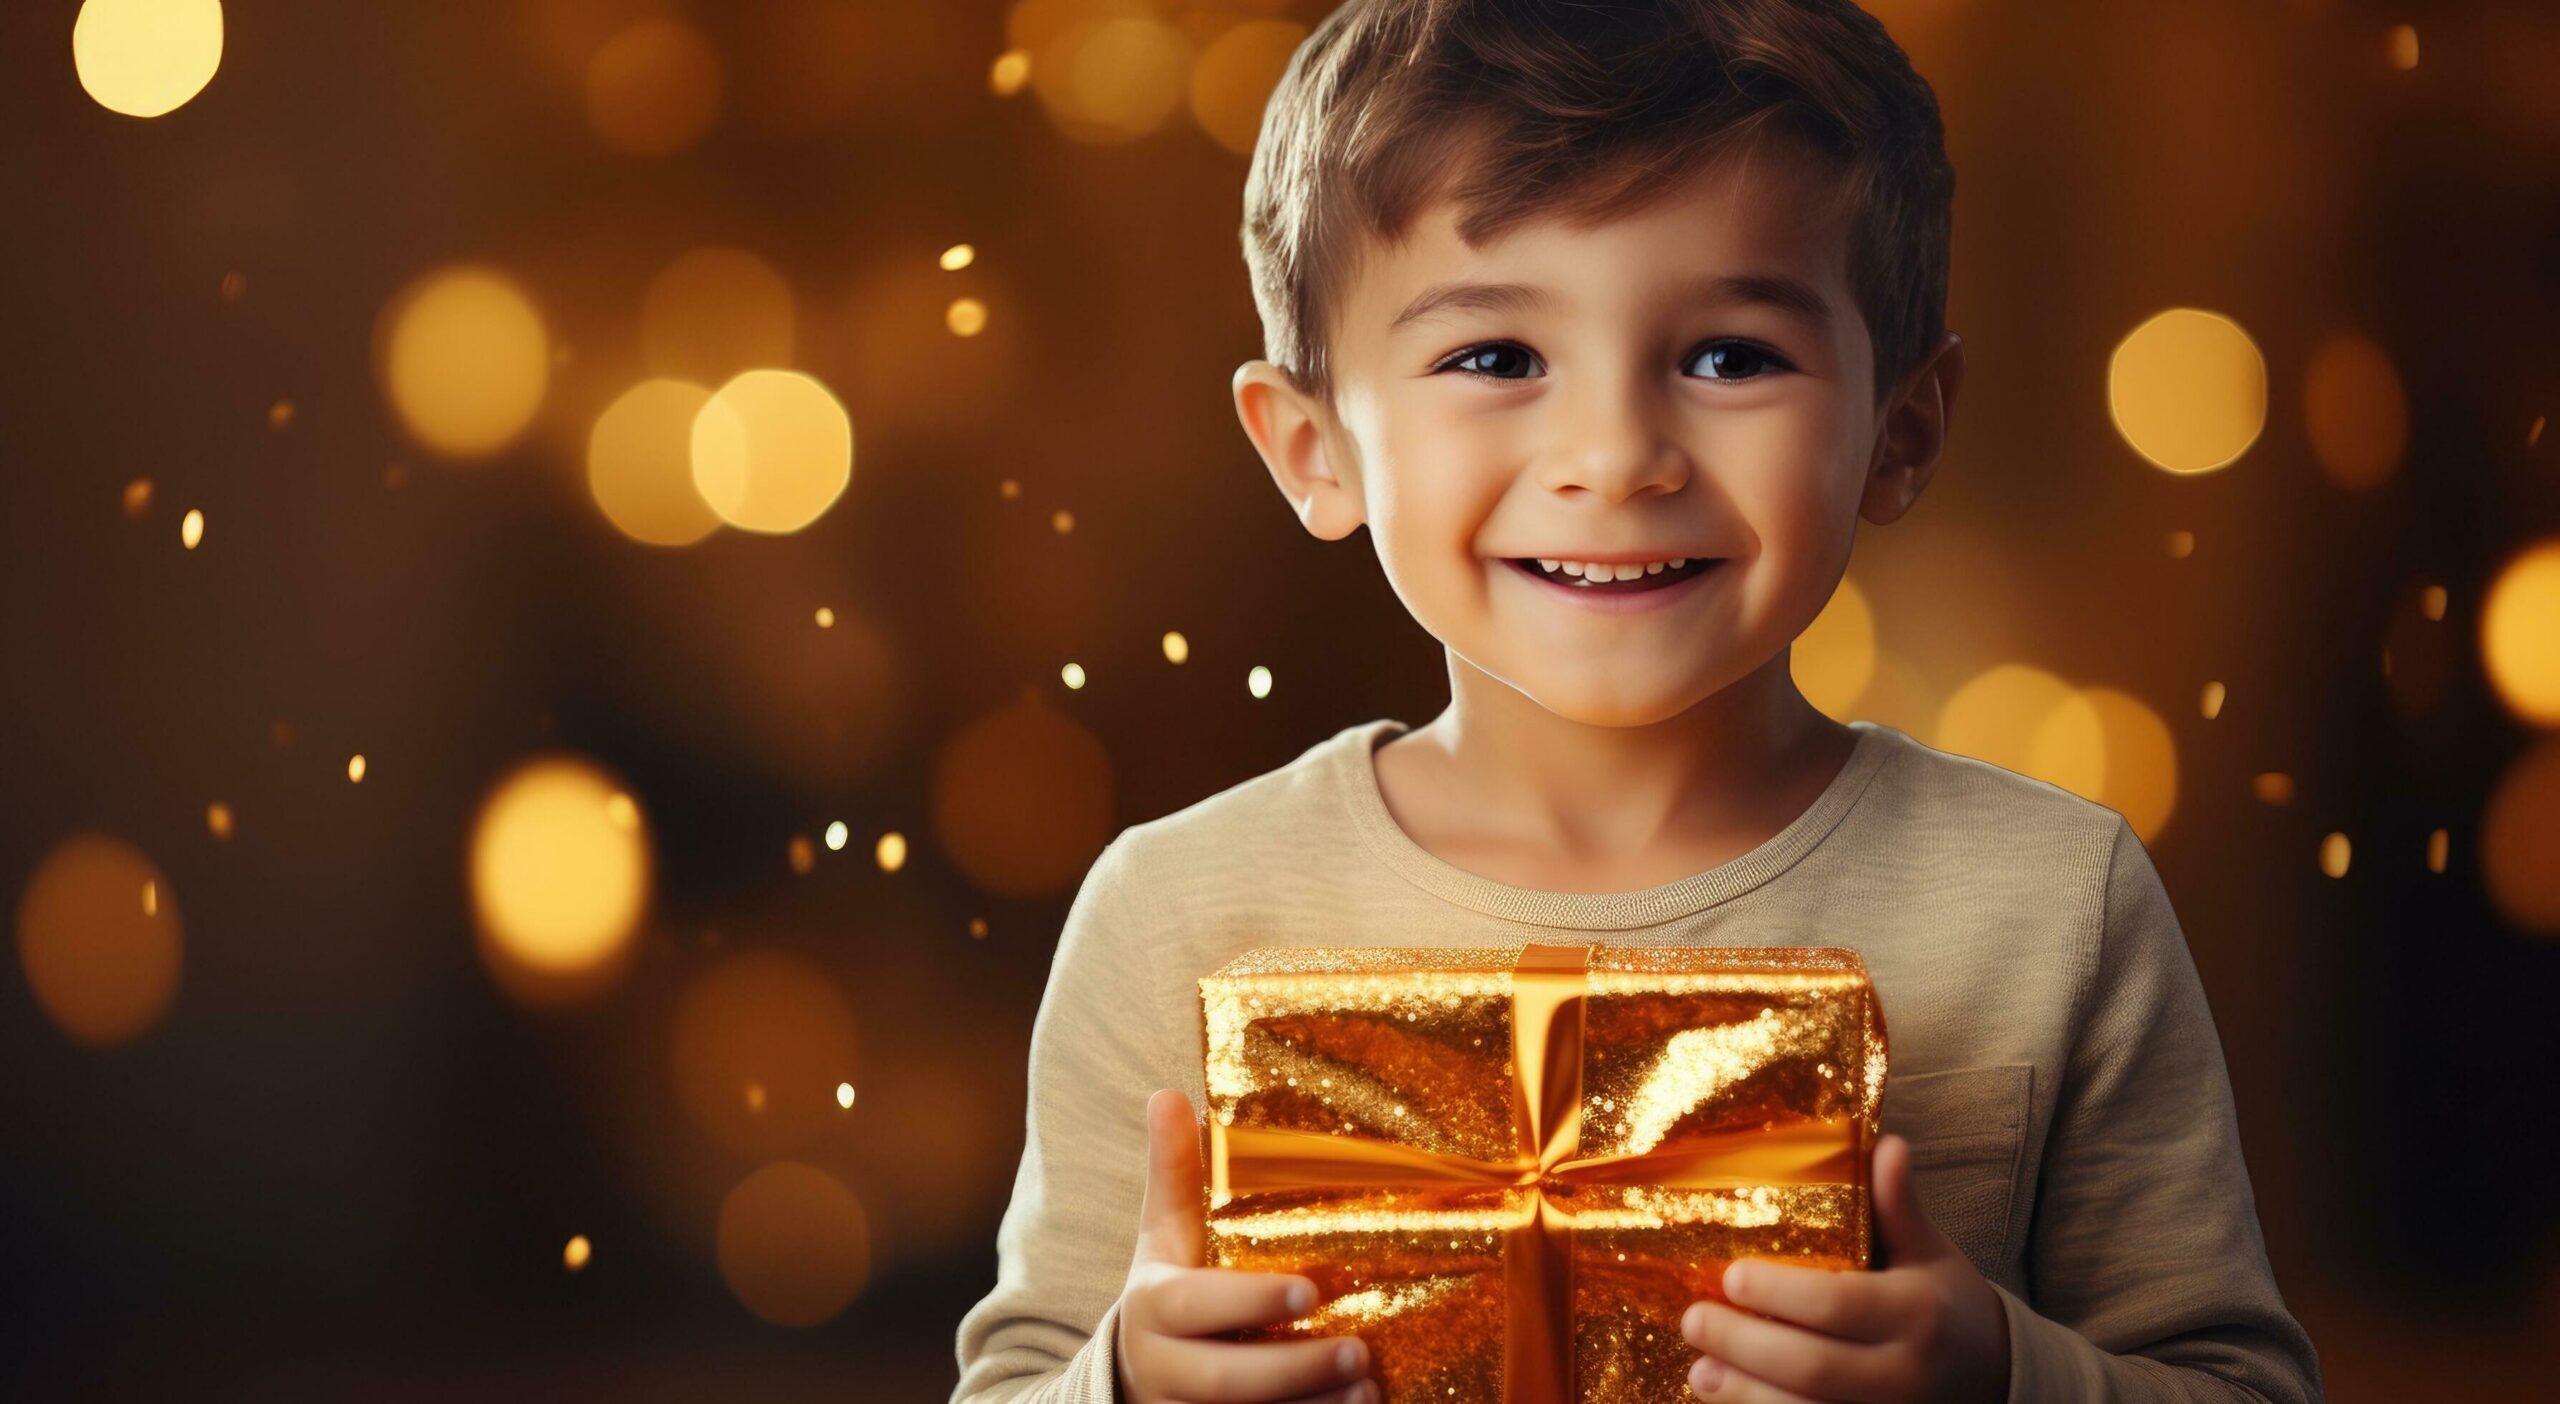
point(1548, 986)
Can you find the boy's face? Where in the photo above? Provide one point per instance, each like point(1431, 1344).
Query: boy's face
point(1636, 407)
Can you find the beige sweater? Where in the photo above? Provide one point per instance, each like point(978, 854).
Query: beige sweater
point(2053, 1060)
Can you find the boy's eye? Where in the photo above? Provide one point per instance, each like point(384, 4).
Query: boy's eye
point(1728, 360)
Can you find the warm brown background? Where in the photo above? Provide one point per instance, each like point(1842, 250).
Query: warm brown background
point(345, 1161)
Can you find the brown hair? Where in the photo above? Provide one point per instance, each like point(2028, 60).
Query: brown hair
point(1582, 109)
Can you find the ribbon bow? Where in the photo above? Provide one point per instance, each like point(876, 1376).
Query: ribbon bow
point(1549, 984)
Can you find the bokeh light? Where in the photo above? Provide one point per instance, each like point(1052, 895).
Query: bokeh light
point(464, 359)
point(1105, 73)
point(1177, 649)
point(2139, 760)
point(966, 316)
point(217, 819)
point(191, 529)
point(575, 1254)
point(355, 769)
point(654, 88)
point(793, 1244)
point(146, 58)
point(890, 852)
point(2354, 411)
point(2025, 719)
point(1232, 81)
point(1835, 657)
point(2210, 698)
point(100, 939)
point(836, 836)
point(1072, 675)
point(1022, 800)
point(2520, 633)
point(714, 312)
point(2188, 390)
point(137, 497)
point(772, 450)
point(560, 875)
point(640, 464)
point(2520, 840)
point(761, 1040)
point(844, 1095)
point(2272, 787)
point(2336, 854)
point(957, 257)
point(1257, 681)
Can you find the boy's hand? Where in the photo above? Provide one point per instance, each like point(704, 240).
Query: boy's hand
point(1172, 1300)
point(1925, 1327)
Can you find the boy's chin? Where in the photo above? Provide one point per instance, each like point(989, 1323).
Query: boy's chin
point(1609, 706)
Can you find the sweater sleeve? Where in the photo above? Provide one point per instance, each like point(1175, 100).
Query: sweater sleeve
point(1046, 1333)
point(2149, 1277)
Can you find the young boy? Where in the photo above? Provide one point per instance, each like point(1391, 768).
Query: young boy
point(1610, 321)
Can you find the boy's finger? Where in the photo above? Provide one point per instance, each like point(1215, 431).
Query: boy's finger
point(1783, 1356)
point(1731, 1386)
point(1844, 1304)
point(1250, 1372)
point(1908, 1236)
point(1205, 1300)
point(1364, 1392)
point(1169, 1227)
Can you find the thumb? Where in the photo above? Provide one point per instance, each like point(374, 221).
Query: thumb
point(1906, 1235)
point(1169, 1227)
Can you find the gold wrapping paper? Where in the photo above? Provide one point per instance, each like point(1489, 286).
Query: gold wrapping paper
point(1511, 1170)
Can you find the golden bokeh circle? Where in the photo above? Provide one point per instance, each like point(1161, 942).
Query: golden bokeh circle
point(2354, 411)
point(1112, 73)
point(2188, 390)
point(559, 869)
point(2022, 718)
point(1834, 659)
point(793, 1244)
point(2139, 760)
point(146, 58)
point(2520, 837)
point(772, 450)
point(716, 311)
point(2520, 633)
point(653, 89)
point(1022, 800)
point(464, 359)
point(761, 1040)
point(640, 464)
point(100, 939)
point(1232, 81)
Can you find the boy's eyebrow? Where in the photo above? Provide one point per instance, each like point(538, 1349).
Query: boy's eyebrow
point(1777, 291)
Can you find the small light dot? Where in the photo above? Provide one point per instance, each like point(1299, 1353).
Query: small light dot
point(280, 414)
point(217, 819)
point(355, 769)
point(844, 1095)
point(2335, 854)
point(2533, 435)
point(150, 898)
point(966, 316)
point(2182, 544)
point(1009, 72)
point(1072, 675)
point(1258, 682)
point(2439, 849)
point(826, 617)
point(1010, 488)
point(890, 852)
point(2431, 602)
point(1176, 647)
point(837, 833)
point(755, 1096)
point(957, 257)
point(2274, 787)
point(2211, 702)
point(977, 928)
point(235, 286)
point(2403, 47)
point(137, 497)
point(575, 1255)
point(191, 529)
point(1062, 521)
point(804, 854)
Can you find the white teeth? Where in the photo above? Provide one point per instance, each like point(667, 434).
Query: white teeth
point(1679, 561)
point(1631, 571)
point(1655, 568)
point(1547, 565)
point(1598, 571)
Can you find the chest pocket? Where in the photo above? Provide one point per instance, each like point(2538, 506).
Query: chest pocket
point(1966, 1127)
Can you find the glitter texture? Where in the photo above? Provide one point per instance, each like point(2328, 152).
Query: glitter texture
point(1511, 1169)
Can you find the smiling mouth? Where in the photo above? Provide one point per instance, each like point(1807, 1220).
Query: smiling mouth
point(1668, 575)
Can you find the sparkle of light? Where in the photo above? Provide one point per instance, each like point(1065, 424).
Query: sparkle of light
point(2335, 854)
point(957, 257)
point(1258, 681)
point(2272, 787)
point(640, 464)
point(217, 819)
point(2402, 47)
point(1008, 73)
point(2022, 718)
point(804, 854)
point(654, 88)
point(2519, 833)
point(2209, 702)
point(1176, 648)
point(966, 316)
point(1231, 81)
point(559, 867)
point(1062, 521)
point(890, 852)
point(2355, 412)
point(575, 1255)
point(1072, 675)
point(464, 359)
point(191, 528)
point(2182, 544)
point(2520, 633)
point(103, 966)
point(844, 1095)
point(2439, 850)
point(826, 617)
point(355, 769)
point(837, 833)
point(793, 1244)
point(714, 312)
point(1835, 657)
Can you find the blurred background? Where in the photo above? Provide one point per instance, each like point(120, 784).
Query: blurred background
point(580, 581)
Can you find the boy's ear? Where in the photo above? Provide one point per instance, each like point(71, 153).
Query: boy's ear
point(1915, 433)
point(1291, 432)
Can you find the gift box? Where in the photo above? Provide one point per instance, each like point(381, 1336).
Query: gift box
point(1511, 1170)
